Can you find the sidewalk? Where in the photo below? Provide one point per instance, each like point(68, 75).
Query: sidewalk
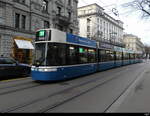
point(138, 99)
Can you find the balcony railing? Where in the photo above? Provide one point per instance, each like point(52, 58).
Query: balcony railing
point(63, 20)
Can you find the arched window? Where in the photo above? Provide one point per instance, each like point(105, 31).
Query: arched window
point(44, 5)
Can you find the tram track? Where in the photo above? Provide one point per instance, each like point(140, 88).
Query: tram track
point(14, 80)
point(67, 97)
point(51, 107)
point(17, 87)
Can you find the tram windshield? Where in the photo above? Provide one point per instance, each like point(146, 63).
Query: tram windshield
point(56, 54)
point(40, 54)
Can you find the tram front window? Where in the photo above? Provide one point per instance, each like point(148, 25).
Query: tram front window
point(56, 54)
point(40, 54)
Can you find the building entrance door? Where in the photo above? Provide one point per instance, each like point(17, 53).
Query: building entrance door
point(22, 51)
point(22, 55)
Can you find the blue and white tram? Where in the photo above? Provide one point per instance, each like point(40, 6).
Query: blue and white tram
point(61, 56)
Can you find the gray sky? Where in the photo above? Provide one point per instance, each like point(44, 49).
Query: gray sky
point(132, 21)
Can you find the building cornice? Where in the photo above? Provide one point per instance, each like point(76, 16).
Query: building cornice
point(101, 16)
point(17, 30)
point(91, 5)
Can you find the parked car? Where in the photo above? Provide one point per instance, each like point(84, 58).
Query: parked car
point(10, 68)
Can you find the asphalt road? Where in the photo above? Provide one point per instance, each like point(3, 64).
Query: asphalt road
point(116, 90)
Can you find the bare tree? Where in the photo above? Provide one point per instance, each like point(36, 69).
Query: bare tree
point(143, 6)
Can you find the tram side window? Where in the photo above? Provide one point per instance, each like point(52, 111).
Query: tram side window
point(102, 55)
point(107, 55)
point(135, 56)
point(118, 55)
point(111, 56)
point(91, 55)
point(139, 56)
point(83, 55)
point(126, 56)
point(56, 55)
point(131, 56)
point(71, 55)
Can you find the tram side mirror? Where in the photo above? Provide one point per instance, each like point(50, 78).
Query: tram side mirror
point(37, 63)
point(17, 62)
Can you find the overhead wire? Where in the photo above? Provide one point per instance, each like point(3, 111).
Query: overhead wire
point(110, 10)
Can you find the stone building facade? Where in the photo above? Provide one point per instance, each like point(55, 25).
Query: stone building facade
point(96, 24)
point(134, 43)
point(19, 19)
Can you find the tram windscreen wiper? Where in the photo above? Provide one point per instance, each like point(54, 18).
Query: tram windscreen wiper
point(39, 62)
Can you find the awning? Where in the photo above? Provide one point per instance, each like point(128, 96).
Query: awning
point(24, 44)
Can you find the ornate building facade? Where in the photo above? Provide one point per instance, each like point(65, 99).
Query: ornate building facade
point(19, 19)
point(134, 43)
point(96, 24)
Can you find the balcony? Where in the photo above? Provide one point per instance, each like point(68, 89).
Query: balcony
point(63, 20)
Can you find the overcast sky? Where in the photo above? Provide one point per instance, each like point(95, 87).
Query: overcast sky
point(132, 21)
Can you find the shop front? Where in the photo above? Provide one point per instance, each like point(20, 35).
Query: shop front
point(23, 50)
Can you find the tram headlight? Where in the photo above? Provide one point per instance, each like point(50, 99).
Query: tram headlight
point(32, 69)
point(47, 70)
point(41, 70)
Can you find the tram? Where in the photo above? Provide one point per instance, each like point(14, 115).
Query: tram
point(61, 56)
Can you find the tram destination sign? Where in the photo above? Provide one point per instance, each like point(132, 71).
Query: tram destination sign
point(40, 35)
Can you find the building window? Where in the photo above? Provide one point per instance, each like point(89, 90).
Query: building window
point(45, 5)
point(88, 21)
point(59, 10)
point(23, 1)
point(69, 2)
point(90, 11)
point(88, 35)
point(46, 24)
point(88, 28)
point(23, 21)
point(60, 27)
point(20, 1)
point(17, 20)
point(71, 30)
point(69, 15)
